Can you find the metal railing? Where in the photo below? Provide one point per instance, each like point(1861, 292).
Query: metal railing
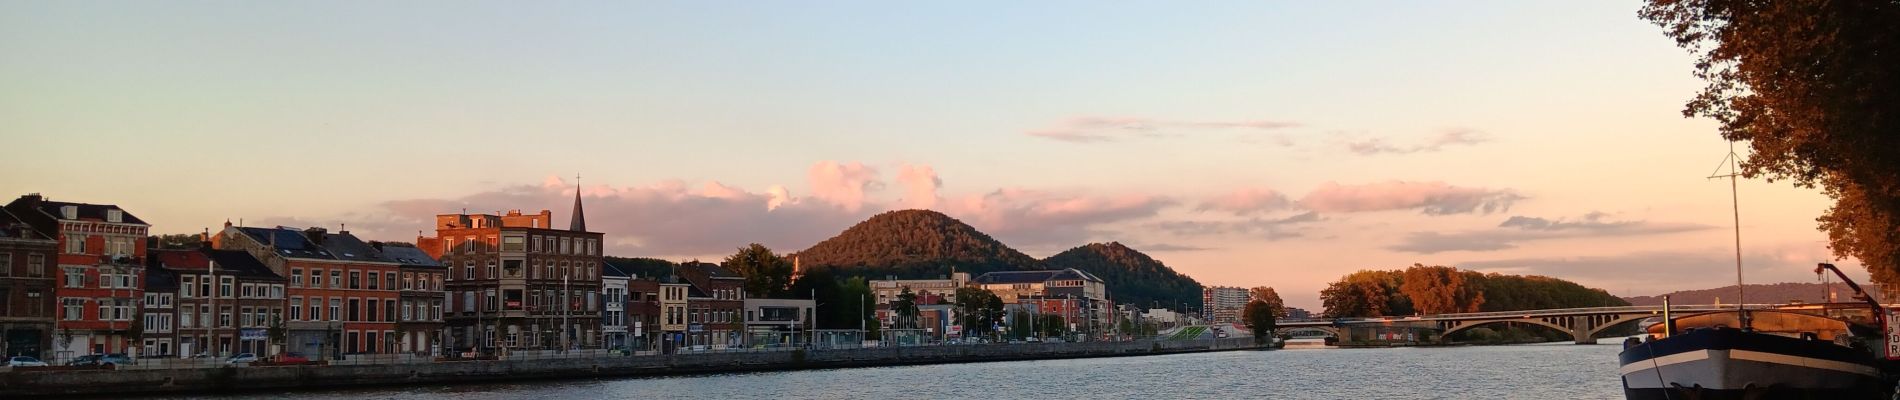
point(1529, 313)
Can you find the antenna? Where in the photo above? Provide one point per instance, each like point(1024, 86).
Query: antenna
point(1741, 291)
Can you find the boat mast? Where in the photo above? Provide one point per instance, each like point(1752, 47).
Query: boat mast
point(1741, 292)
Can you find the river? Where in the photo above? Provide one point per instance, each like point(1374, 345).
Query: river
point(1542, 371)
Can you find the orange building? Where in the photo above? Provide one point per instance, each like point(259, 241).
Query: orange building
point(343, 296)
point(515, 282)
point(101, 252)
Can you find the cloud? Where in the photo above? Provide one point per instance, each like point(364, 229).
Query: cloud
point(843, 184)
point(1096, 129)
point(1433, 198)
point(1519, 229)
point(1265, 228)
point(1027, 217)
point(920, 184)
point(1453, 137)
point(1656, 272)
point(1247, 201)
point(1167, 247)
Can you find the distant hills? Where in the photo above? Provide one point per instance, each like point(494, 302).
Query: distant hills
point(1131, 277)
point(1757, 294)
point(913, 244)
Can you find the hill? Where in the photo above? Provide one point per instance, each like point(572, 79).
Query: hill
point(1774, 293)
point(1131, 277)
point(913, 244)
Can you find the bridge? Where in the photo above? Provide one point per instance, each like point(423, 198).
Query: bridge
point(1583, 324)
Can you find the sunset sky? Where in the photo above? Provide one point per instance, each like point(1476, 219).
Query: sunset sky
point(1243, 143)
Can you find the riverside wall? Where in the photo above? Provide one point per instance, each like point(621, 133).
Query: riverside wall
point(29, 383)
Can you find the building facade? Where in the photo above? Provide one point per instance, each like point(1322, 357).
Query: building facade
point(342, 295)
point(643, 313)
point(419, 326)
point(226, 303)
point(1082, 297)
point(945, 289)
point(673, 314)
point(517, 283)
point(716, 306)
point(613, 307)
point(778, 322)
point(101, 248)
point(27, 293)
point(159, 311)
point(1223, 304)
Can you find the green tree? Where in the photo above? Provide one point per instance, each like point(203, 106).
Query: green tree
point(1810, 85)
point(767, 275)
point(905, 307)
point(1260, 319)
point(1440, 290)
point(979, 310)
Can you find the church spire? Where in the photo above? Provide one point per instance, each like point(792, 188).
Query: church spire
point(579, 223)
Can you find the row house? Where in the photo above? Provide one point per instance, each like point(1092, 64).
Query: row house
point(99, 267)
point(515, 282)
point(159, 312)
point(715, 304)
point(227, 302)
point(420, 326)
point(1081, 298)
point(643, 313)
point(613, 308)
point(673, 313)
point(343, 296)
point(27, 305)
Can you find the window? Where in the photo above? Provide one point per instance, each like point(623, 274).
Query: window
point(536, 240)
point(224, 317)
point(35, 265)
point(435, 310)
point(490, 272)
point(468, 270)
point(408, 281)
point(250, 290)
point(567, 246)
point(356, 310)
point(316, 278)
point(316, 309)
point(245, 317)
point(514, 243)
point(204, 316)
point(489, 300)
point(6, 264)
point(224, 286)
point(375, 280)
point(190, 315)
point(75, 244)
point(468, 301)
point(296, 277)
point(408, 310)
point(75, 278)
point(592, 246)
point(370, 312)
point(356, 279)
point(448, 245)
point(296, 308)
point(151, 299)
point(189, 287)
point(336, 279)
point(389, 310)
point(72, 308)
point(389, 280)
point(276, 291)
point(336, 308)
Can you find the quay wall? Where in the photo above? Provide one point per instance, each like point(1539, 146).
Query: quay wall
point(29, 383)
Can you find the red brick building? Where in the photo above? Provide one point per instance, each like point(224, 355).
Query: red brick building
point(515, 282)
point(343, 296)
point(101, 248)
point(715, 306)
point(227, 301)
point(27, 307)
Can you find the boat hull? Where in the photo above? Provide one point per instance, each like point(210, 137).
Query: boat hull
point(1731, 364)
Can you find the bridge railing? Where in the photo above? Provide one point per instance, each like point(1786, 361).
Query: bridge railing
point(1533, 313)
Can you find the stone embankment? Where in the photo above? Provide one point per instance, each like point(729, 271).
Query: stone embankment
point(29, 383)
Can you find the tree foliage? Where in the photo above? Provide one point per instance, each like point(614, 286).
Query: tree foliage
point(1811, 86)
point(644, 268)
point(766, 274)
point(1267, 295)
point(1131, 277)
point(1440, 290)
point(842, 303)
point(1261, 319)
point(1382, 293)
point(979, 310)
point(905, 307)
point(913, 244)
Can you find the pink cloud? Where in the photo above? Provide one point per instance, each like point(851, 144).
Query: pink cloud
point(843, 184)
point(920, 184)
point(1247, 201)
point(1433, 198)
point(1094, 129)
point(1447, 138)
point(1024, 217)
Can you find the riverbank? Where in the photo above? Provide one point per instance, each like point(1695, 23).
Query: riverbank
point(24, 383)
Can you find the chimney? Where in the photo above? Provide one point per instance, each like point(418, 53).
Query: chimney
point(315, 235)
point(204, 239)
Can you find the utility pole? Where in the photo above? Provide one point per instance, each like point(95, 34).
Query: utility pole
point(567, 303)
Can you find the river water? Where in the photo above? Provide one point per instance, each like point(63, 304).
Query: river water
point(1542, 371)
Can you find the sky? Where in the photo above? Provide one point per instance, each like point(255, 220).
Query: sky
point(1245, 144)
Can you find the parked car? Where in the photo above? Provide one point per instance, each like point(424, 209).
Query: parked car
point(292, 357)
point(24, 361)
point(242, 358)
point(1033, 340)
point(116, 359)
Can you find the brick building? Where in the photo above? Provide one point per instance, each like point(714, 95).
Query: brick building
point(515, 282)
point(27, 307)
point(159, 311)
point(99, 285)
point(419, 327)
point(342, 294)
point(715, 306)
point(227, 301)
point(643, 313)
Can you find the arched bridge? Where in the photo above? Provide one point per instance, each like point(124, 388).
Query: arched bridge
point(1584, 324)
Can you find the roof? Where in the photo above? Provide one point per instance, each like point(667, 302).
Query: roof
point(159, 279)
point(87, 211)
point(344, 246)
point(230, 262)
point(288, 242)
point(693, 291)
point(579, 223)
point(711, 270)
point(11, 226)
point(608, 269)
point(1011, 277)
point(408, 256)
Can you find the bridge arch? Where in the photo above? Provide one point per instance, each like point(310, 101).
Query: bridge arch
point(1323, 330)
point(1464, 325)
point(1618, 321)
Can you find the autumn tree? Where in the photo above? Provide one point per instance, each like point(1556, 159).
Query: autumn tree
point(1440, 290)
point(1272, 298)
point(766, 274)
point(1261, 320)
point(1365, 294)
point(1811, 87)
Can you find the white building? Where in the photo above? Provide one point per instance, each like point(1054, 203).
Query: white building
point(613, 311)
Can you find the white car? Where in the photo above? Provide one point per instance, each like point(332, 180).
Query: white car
point(24, 361)
point(243, 358)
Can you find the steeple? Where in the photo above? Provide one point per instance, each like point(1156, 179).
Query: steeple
point(579, 224)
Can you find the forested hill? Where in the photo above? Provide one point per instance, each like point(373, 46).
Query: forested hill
point(1438, 290)
point(1131, 277)
point(913, 244)
point(1774, 293)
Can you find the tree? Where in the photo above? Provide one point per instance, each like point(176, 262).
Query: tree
point(1440, 290)
point(1810, 85)
point(1272, 298)
point(979, 310)
point(766, 274)
point(905, 307)
point(1260, 319)
point(1365, 294)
